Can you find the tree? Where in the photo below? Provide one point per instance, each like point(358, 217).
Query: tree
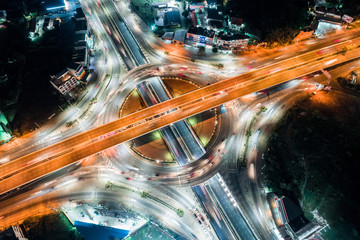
point(180, 212)
point(202, 49)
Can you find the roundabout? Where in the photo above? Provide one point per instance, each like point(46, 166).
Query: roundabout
point(152, 147)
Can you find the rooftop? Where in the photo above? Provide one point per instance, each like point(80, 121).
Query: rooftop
point(61, 77)
point(81, 25)
point(172, 17)
point(229, 37)
point(79, 13)
point(214, 14)
point(80, 37)
point(211, 2)
point(180, 35)
point(201, 31)
point(79, 55)
point(237, 21)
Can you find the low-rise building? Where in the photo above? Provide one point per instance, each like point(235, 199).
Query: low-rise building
point(77, 70)
point(81, 56)
point(79, 15)
point(211, 3)
point(236, 24)
point(46, 23)
point(168, 36)
point(215, 19)
point(64, 82)
point(80, 45)
point(32, 25)
point(80, 37)
point(199, 36)
point(172, 17)
point(194, 18)
point(81, 26)
point(179, 37)
point(231, 41)
point(196, 7)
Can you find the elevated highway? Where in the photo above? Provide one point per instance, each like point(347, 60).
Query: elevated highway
point(40, 163)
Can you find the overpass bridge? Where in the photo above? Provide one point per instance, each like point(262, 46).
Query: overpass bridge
point(42, 162)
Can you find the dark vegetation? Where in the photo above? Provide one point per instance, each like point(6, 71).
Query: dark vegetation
point(352, 8)
point(144, 10)
point(314, 157)
point(27, 98)
point(53, 226)
point(278, 20)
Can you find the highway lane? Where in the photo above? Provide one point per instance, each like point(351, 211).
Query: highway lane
point(171, 140)
point(181, 129)
point(83, 186)
point(255, 206)
point(186, 200)
point(265, 70)
point(54, 132)
point(235, 85)
point(230, 211)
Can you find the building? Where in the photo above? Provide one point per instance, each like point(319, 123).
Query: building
point(168, 36)
point(194, 19)
point(81, 56)
point(324, 26)
point(81, 26)
point(196, 7)
point(77, 70)
point(64, 82)
point(46, 23)
point(179, 37)
point(80, 37)
point(3, 16)
point(80, 45)
point(211, 3)
point(236, 24)
point(199, 36)
point(79, 15)
point(215, 19)
point(172, 17)
point(293, 220)
point(231, 41)
point(32, 25)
